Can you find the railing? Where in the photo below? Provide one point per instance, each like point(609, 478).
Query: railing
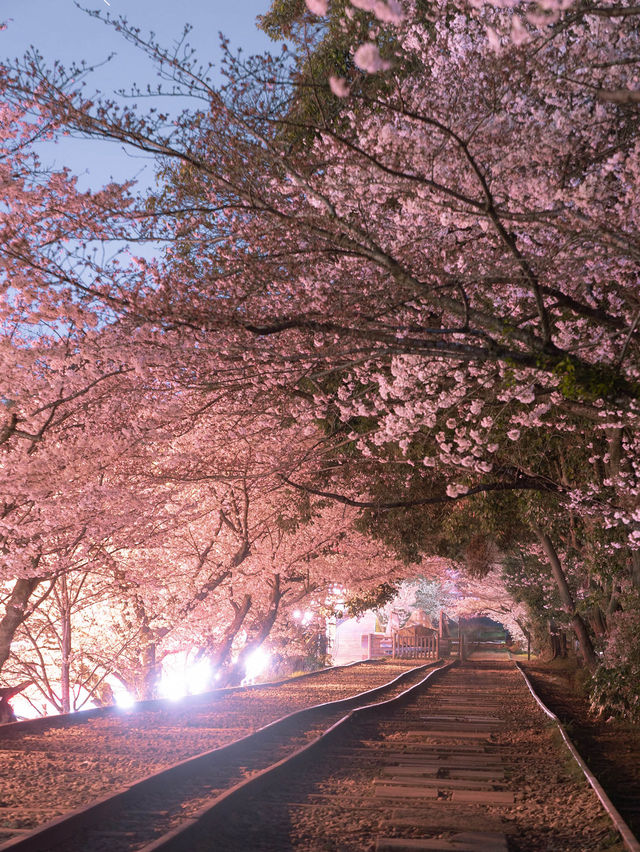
point(403, 647)
point(415, 647)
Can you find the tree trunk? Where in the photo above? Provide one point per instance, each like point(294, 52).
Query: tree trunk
point(635, 568)
point(223, 650)
point(15, 613)
point(566, 599)
point(527, 636)
point(148, 675)
point(269, 620)
point(148, 664)
point(597, 621)
point(263, 630)
point(65, 645)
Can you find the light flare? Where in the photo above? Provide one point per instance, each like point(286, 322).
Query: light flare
point(125, 700)
point(193, 679)
point(257, 663)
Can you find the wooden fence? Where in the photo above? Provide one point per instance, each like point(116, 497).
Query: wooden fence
point(416, 643)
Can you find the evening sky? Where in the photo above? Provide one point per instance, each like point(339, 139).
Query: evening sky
point(58, 29)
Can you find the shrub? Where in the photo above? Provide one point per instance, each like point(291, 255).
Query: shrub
point(615, 689)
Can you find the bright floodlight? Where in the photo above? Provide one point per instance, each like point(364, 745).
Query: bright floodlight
point(173, 686)
point(256, 663)
point(188, 679)
point(125, 700)
point(297, 613)
point(198, 677)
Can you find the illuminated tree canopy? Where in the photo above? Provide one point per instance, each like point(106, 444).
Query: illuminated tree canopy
point(392, 314)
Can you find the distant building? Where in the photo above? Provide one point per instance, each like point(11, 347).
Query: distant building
point(347, 644)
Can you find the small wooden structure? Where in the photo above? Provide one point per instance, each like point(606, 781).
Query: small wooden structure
point(415, 641)
point(376, 645)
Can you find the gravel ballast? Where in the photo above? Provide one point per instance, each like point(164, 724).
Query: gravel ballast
point(45, 774)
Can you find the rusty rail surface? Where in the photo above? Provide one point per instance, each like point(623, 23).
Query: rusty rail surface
point(79, 717)
point(628, 837)
point(245, 797)
point(182, 839)
point(62, 833)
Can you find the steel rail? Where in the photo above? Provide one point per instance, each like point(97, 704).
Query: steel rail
point(80, 717)
point(182, 838)
point(57, 831)
point(628, 837)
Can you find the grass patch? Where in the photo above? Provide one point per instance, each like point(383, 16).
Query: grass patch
point(569, 768)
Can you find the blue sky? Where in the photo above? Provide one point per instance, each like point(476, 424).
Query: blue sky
point(59, 30)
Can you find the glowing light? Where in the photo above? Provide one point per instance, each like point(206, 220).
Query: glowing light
point(198, 677)
point(173, 686)
point(25, 710)
point(185, 679)
point(257, 663)
point(307, 617)
point(125, 700)
point(297, 613)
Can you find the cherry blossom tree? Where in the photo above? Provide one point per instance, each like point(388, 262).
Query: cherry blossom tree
point(435, 275)
point(475, 245)
point(433, 593)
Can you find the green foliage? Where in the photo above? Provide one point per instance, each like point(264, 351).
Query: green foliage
point(443, 529)
point(374, 598)
point(299, 511)
point(615, 689)
point(528, 581)
point(616, 692)
point(323, 47)
point(410, 533)
point(589, 383)
point(498, 515)
point(279, 21)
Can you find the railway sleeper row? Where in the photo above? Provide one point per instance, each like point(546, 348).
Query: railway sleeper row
point(442, 767)
point(133, 816)
point(451, 763)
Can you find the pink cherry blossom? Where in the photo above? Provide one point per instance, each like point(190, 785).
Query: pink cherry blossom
point(339, 87)
point(367, 57)
point(318, 7)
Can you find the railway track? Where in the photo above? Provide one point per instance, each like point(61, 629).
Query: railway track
point(460, 758)
point(132, 816)
point(464, 761)
point(56, 764)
